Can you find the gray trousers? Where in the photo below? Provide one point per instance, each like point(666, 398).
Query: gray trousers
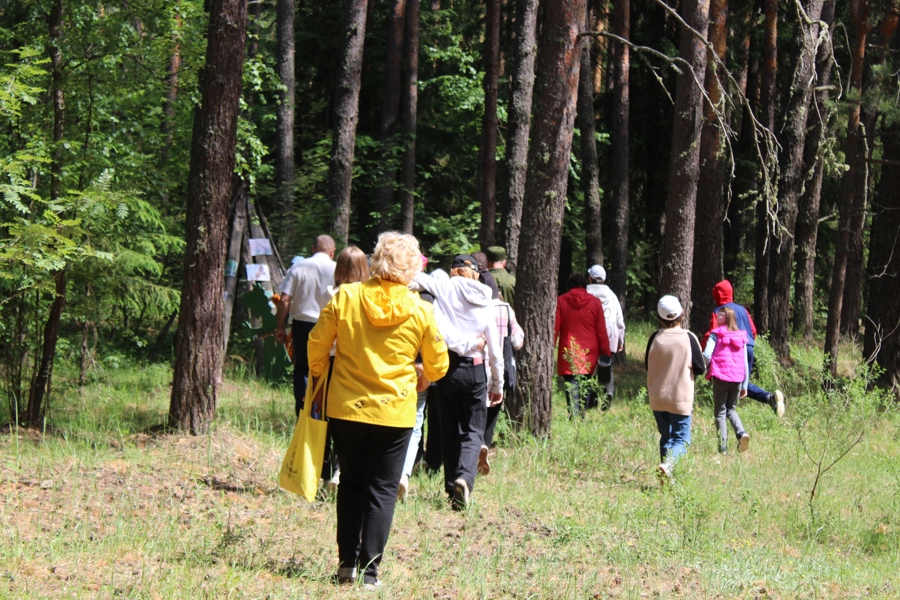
point(725, 397)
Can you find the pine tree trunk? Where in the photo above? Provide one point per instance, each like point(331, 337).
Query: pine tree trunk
point(882, 334)
point(790, 182)
point(410, 108)
point(519, 123)
point(40, 383)
point(708, 232)
point(198, 353)
point(487, 167)
point(284, 114)
point(617, 269)
point(346, 116)
point(390, 112)
point(544, 204)
point(677, 256)
point(813, 163)
point(590, 170)
point(767, 116)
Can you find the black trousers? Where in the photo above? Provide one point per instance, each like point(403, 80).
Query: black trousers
point(299, 338)
point(493, 413)
point(371, 459)
point(433, 449)
point(463, 417)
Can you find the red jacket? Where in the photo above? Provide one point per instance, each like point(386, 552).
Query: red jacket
point(723, 294)
point(579, 317)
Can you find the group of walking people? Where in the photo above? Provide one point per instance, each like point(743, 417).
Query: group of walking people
point(392, 340)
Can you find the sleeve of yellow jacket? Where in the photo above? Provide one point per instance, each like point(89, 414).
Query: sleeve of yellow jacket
point(321, 340)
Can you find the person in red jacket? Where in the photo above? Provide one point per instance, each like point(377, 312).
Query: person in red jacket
point(723, 294)
point(581, 332)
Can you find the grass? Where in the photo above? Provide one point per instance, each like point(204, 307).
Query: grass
point(98, 506)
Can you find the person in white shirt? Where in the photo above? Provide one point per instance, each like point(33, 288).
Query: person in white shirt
point(466, 317)
point(304, 293)
point(615, 321)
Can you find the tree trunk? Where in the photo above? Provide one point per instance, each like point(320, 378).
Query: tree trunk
point(590, 171)
point(519, 123)
point(790, 182)
point(544, 204)
point(882, 338)
point(390, 112)
point(617, 269)
point(487, 167)
point(767, 116)
point(40, 383)
point(855, 182)
point(346, 116)
point(677, 256)
point(284, 115)
point(813, 164)
point(410, 108)
point(198, 353)
point(708, 231)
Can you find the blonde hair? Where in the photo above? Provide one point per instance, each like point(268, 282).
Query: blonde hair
point(351, 266)
point(466, 272)
point(730, 318)
point(396, 257)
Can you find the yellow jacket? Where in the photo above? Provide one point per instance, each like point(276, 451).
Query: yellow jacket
point(380, 327)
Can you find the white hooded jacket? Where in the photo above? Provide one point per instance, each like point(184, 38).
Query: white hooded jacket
point(612, 312)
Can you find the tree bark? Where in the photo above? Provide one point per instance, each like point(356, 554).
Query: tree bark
point(544, 204)
point(790, 182)
point(590, 170)
point(390, 111)
point(519, 123)
point(855, 182)
point(617, 269)
point(198, 353)
point(708, 231)
point(767, 116)
point(40, 383)
point(813, 164)
point(487, 167)
point(677, 256)
point(284, 113)
point(346, 116)
point(410, 111)
point(882, 333)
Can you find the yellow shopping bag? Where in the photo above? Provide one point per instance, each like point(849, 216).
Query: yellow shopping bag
point(302, 464)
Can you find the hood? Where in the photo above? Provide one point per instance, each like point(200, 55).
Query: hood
point(733, 339)
point(577, 298)
point(723, 293)
point(596, 290)
point(474, 292)
point(387, 303)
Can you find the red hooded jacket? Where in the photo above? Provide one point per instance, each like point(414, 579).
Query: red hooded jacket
point(579, 318)
point(723, 294)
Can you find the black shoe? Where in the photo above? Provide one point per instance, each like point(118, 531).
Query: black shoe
point(460, 500)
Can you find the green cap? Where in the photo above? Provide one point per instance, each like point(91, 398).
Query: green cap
point(496, 253)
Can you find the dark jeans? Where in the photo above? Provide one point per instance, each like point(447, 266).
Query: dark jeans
point(433, 447)
point(299, 338)
point(463, 417)
point(574, 397)
point(371, 459)
point(493, 413)
point(753, 390)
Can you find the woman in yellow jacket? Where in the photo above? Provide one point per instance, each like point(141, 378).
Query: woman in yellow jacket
point(380, 327)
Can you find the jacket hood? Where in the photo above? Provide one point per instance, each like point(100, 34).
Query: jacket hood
point(387, 303)
point(732, 339)
point(723, 293)
point(474, 291)
point(577, 298)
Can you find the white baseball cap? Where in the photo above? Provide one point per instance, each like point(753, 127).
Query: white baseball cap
point(669, 308)
point(597, 272)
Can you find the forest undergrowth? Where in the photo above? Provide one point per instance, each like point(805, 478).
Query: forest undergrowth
point(101, 503)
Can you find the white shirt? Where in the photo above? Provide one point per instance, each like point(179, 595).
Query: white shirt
point(307, 283)
point(612, 313)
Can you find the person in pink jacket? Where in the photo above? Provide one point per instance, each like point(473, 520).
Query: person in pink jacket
point(729, 370)
point(581, 332)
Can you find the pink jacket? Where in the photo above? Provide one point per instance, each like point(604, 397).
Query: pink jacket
point(727, 361)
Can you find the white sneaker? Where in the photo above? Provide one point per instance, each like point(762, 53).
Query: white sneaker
point(404, 488)
point(460, 500)
point(664, 473)
point(744, 442)
point(334, 482)
point(779, 403)
point(484, 466)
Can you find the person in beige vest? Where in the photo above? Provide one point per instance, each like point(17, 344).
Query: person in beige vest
point(672, 361)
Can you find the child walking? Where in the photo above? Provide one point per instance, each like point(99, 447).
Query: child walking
point(672, 361)
point(726, 350)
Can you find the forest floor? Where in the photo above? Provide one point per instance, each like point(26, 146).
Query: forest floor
point(100, 506)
